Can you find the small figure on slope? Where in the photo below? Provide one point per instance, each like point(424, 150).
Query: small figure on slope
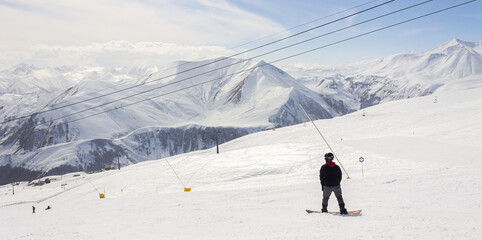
point(33, 209)
point(330, 178)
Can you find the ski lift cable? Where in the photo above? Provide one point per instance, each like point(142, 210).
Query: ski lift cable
point(278, 33)
point(271, 35)
point(236, 47)
point(279, 60)
point(197, 67)
point(279, 40)
point(304, 24)
point(238, 62)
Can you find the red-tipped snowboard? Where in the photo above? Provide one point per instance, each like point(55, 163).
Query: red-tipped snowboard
point(350, 213)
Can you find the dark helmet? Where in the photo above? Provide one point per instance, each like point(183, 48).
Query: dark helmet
point(329, 157)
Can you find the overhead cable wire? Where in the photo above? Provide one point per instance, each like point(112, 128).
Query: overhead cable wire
point(278, 33)
point(298, 26)
point(197, 67)
point(303, 24)
point(252, 41)
point(295, 27)
point(272, 62)
point(288, 37)
point(238, 62)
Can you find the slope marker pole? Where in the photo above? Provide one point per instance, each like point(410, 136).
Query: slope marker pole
point(186, 189)
point(101, 195)
point(327, 144)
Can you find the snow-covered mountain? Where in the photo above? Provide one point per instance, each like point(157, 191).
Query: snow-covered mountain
point(395, 77)
point(421, 179)
point(453, 59)
point(237, 97)
point(245, 93)
point(253, 96)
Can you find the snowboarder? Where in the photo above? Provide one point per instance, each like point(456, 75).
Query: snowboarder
point(48, 207)
point(330, 178)
point(33, 209)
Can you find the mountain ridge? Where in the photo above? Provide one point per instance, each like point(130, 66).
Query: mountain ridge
point(254, 96)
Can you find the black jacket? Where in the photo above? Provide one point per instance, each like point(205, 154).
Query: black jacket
point(330, 176)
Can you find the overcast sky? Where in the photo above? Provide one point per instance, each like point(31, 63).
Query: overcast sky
point(147, 32)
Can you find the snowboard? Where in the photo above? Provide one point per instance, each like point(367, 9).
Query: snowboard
point(350, 213)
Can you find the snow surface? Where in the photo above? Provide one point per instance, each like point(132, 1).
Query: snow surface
point(422, 180)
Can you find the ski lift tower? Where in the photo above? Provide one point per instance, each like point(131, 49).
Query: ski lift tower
point(216, 132)
point(118, 161)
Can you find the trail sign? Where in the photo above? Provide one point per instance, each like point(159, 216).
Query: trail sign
point(361, 159)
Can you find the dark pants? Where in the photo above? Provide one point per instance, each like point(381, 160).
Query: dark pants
point(327, 192)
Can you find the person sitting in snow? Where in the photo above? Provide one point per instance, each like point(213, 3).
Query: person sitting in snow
point(48, 207)
point(330, 178)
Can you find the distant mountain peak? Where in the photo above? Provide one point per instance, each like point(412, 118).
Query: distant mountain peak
point(457, 41)
point(22, 69)
point(456, 44)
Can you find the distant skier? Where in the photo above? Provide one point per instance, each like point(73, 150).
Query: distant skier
point(48, 207)
point(330, 178)
point(33, 209)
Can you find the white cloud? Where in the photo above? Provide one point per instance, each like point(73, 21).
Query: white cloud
point(122, 32)
point(111, 54)
point(194, 22)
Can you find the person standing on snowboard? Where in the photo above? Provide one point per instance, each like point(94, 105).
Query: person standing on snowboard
point(330, 178)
